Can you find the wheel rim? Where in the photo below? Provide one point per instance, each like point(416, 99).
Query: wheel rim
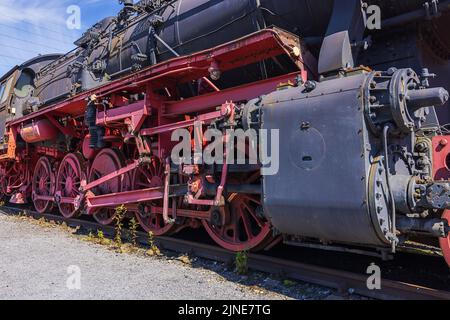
point(149, 217)
point(68, 182)
point(106, 162)
point(43, 185)
point(445, 242)
point(245, 229)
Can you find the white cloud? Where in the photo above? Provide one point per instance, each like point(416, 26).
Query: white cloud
point(32, 27)
point(32, 11)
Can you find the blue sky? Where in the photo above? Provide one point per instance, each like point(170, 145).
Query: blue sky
point(32, 27)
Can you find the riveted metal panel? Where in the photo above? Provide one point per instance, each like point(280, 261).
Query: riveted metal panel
point(320, 190)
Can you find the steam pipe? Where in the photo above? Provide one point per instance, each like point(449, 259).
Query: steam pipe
point(412, 16)
point(435, 227)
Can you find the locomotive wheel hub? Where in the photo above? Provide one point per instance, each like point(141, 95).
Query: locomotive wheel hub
point(216, 218)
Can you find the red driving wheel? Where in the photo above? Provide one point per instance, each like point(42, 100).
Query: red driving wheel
point(151, 175)
point(68, 182)
point(43, 184)
point(246, 228)
point(445, 242)
point(106, 162)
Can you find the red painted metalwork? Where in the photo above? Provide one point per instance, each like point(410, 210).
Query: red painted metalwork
point(43, 185)
point(113, 175)
point(12, 177)
point(152, 175)
point(441, 157)
point(71, 175)
point(441, 171)
point(244, 92)
point(38, 131)
point(204, 119)
point(138, 113)
point(106, 162)
point(88, 152)
point(243, 229)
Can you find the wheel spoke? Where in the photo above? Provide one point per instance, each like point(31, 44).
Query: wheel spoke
point(247, 226)
point(151, 176)
point(106, 161)
point(248, 231)
point(43, 184)
point(68, 182)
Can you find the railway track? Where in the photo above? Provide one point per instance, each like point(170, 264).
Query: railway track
point(342, 281)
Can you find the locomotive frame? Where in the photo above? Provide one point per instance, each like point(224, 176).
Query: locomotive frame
point(51, 178)
point(110, 145)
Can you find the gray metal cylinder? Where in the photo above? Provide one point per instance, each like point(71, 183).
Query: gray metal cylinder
point(435, 97)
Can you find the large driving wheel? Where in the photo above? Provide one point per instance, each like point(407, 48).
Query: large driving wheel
point(246, 228)
point(106, 162)
point(68, 182)
point(150, 217)
point(43, 184)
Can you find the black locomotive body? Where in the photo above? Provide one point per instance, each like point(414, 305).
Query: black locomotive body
point(145, 34)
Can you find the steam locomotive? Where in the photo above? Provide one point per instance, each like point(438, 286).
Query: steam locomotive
point(362, 157)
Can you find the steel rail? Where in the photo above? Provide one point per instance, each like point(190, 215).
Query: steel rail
point(343, 281)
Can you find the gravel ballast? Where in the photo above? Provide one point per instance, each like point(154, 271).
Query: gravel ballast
point(36, 262)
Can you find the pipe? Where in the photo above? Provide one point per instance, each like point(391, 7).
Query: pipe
point(166, 218)
point(412, 16)
point(435, 227)
point(427, 97)
point(394, 239)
